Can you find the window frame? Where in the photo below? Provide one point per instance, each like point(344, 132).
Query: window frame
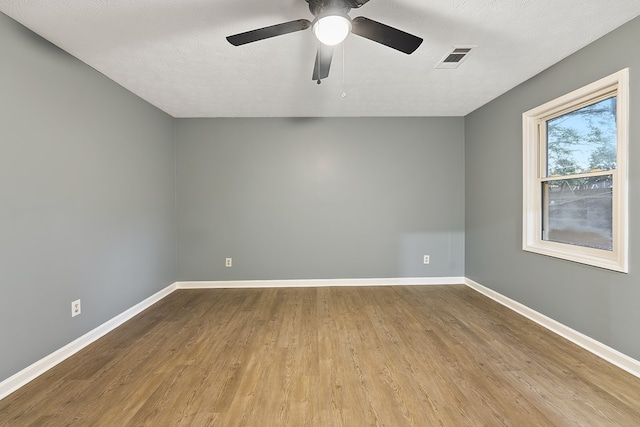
point(534, 174)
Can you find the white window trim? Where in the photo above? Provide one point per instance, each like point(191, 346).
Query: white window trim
point(533, 174)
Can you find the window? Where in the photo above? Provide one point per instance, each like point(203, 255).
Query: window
point(575, 175)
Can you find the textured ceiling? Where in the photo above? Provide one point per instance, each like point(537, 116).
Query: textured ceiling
point(173, 53)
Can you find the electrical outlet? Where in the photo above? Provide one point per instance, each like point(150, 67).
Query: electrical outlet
point(228, 262)
point(426, 259)
point(75, 308)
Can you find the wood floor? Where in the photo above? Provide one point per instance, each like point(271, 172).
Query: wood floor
point(388, 356)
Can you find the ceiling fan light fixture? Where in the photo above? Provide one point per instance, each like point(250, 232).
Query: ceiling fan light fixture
point(332, 29)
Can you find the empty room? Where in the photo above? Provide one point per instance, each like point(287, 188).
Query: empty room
point(319, 213)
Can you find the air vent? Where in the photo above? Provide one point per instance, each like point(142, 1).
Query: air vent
point(455, 57)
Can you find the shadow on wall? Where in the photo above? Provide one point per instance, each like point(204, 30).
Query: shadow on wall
point(43, 45)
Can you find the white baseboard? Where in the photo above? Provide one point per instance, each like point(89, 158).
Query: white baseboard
point(16, 381)
point(316, 283)
point(38, 368)
point(599, 349)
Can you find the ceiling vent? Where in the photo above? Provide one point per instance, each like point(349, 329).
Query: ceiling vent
point(455, 57)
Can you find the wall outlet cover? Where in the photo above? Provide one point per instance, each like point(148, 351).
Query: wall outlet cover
point(75, 308)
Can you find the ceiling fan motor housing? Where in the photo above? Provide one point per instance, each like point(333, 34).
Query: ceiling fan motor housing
point(320, 8)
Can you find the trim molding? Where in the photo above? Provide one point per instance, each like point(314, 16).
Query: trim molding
point(316, 283)
point(601, 350)
point(41, 366)
point(38, 368)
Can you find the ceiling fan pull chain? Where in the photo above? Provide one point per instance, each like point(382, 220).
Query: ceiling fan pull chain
point(344, 89)
point(318, 68)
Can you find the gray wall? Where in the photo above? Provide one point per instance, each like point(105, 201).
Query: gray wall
point(599, 303)
point(320, 198)
point(87, 198)
point(87, 190)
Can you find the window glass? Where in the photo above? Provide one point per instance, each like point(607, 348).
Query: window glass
point(579, 211)
point(583, 140)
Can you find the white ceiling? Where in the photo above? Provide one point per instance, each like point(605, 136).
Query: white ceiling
point(173, 53)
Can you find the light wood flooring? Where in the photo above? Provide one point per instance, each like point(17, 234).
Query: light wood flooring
point(388, 356)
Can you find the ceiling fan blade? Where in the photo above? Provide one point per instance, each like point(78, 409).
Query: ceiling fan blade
point(384, 34)
point(268, 32)
point(323, 62)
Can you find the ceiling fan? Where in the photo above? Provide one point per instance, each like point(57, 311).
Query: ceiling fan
point(331, 26)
